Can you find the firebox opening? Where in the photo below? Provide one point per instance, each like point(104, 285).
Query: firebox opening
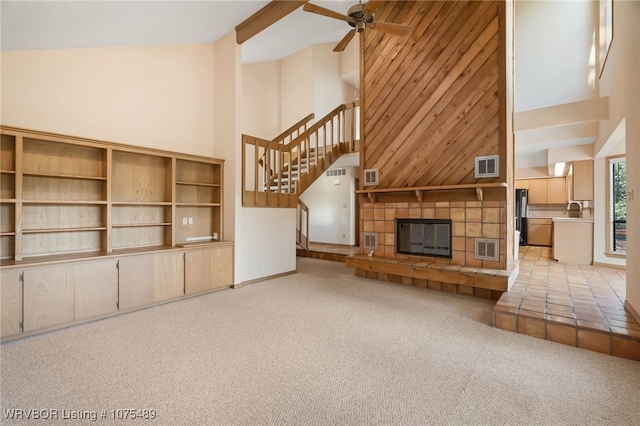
point(424, 237)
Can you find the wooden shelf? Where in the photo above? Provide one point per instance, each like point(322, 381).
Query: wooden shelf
point(421, 190)
point(141, 203)
point(142, 225)
point(64, 176)
point(8, 172)
point(213, 185)
point(198, 204)
point(63, 202)
point(7, 234)
point(52, 230)
point(7, 200)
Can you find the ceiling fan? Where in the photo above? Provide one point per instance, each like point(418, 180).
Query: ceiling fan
point(360, 17)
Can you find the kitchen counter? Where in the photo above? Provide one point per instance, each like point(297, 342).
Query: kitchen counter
point(572, 219)
point(573, 240)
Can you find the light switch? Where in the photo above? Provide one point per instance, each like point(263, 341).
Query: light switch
point(630, 195)
point(184, 221)
point(190, 221)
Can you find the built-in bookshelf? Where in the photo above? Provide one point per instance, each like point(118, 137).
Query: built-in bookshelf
point(90, 229)
point(63, 195)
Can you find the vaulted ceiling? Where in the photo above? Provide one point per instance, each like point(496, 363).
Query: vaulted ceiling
point(550, 59)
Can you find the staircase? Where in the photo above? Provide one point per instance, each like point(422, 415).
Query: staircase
point(275, 172)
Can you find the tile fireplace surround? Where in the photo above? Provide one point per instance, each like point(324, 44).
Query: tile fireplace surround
point(470, 220)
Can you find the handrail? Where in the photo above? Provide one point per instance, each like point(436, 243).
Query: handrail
point(288, 169)
point(296, 127)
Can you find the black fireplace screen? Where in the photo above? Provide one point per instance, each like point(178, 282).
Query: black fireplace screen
point(426, 237)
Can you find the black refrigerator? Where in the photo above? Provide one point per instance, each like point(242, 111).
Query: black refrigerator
point(521, 214)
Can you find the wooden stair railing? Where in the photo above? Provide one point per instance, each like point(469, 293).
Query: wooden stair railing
point(275, 173)
point(286, 137)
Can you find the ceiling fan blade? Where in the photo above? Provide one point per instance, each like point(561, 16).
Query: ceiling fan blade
point(345, 41)
point(309, 7)
point(373, 5)
point(389, 28)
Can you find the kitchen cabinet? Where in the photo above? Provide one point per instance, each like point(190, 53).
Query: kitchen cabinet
point(548, 191)
point(582, 181)
point(556, 190)
point(522, 183)
point(573, 240)
point(539, 232)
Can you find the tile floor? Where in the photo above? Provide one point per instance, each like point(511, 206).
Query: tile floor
point(575, 305)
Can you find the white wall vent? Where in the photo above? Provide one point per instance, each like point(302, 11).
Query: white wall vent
point(371, 177)
point(487, 166)
point(487, 249)
point(335, 172)
point(370, 241)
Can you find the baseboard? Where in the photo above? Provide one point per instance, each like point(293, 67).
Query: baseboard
point(267, 278)
point(632, 311)
point(609, 265)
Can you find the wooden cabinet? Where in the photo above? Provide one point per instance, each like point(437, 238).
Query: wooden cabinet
point(48, 297)
point(582, 181)
point(208, 269)
point(548, 191)
point(11, 303)
point(57, 295)
point(573, 241)
point(522, 183)
point(91, 228)
point(150, 278)
point(539, 232)
point(556, 190)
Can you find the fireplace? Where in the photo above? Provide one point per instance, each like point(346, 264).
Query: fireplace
point(424, 237)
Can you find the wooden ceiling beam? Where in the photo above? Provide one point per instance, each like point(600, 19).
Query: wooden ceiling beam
point(264, 18)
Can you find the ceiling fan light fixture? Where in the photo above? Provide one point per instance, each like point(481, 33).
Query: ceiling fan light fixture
point(360, 17)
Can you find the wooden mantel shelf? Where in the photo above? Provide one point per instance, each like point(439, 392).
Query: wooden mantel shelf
point(420, 190)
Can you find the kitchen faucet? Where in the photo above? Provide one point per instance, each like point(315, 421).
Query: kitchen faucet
point(579, 207)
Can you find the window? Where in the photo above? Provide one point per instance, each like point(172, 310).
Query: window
point(617, 205)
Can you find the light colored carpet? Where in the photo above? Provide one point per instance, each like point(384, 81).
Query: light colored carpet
point(318, 347)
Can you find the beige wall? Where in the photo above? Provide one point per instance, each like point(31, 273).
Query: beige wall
point(154, 96)
point(620, 81)
point(297, 87)
point(329, 90)
point(261, 92)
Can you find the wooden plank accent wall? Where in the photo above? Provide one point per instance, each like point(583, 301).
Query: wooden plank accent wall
point(434, 100)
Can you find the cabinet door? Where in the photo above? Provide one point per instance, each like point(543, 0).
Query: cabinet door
point(556, 190)
point(96, 289)
point(168, 276)
point(539, 233)
point(583, 180)
point(222, 260)
point(538, 191)
point(208, 269)
point(198, 271)
point(135, 281)
point(11, 303)
point(522, 183)
point(48, 297)
point(150, 278)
